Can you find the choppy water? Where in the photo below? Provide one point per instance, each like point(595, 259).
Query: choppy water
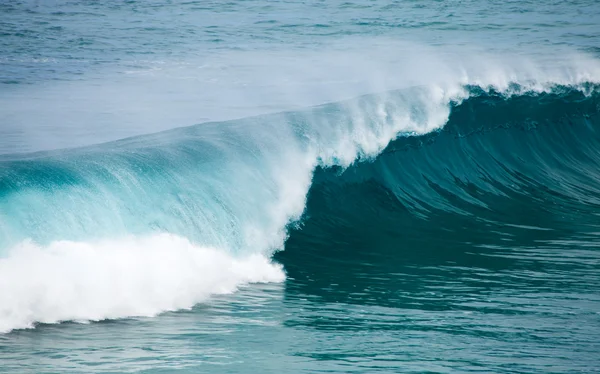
point(299, 186)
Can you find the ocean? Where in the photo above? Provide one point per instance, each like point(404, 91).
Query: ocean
point(299, 186)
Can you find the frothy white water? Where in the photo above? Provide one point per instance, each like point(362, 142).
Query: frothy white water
point(73, 281)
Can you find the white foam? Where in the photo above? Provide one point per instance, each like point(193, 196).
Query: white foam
point(74, 281)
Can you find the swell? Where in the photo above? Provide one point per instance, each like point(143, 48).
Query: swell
point(160, 222)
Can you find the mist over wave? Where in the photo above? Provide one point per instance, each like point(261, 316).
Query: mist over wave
point(160, 222)
point(141, 96)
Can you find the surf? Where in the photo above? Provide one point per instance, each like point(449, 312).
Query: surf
point(160, 222)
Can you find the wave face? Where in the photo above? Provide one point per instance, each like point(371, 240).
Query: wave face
point(160, 222)
point(496, 159)
point(504, 173)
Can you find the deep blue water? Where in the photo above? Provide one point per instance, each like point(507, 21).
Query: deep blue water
point(299, 186)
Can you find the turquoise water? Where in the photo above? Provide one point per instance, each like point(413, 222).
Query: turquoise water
point(298, 186)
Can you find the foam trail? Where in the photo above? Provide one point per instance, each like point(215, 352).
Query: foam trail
point(74, 281)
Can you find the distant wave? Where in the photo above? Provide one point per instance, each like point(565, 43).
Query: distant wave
point(160, 222)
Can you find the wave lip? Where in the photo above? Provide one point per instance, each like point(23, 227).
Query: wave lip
point(133, 277)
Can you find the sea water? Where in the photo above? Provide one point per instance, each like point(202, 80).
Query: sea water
point(299, 186)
